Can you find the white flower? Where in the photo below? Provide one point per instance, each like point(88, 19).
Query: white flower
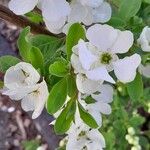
point(21, 75)
point(145, 70)
point(144, 39)
point(21, 7)
point(98, 57)
point(87, 86)
point(81, 137)
point(55, 12)
point(89, 12)
point(35, 100)
point(22, 83)
point(103, 96)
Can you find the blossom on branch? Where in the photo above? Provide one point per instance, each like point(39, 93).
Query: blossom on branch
point(98, 57)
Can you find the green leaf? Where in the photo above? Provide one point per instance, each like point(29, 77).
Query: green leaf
point(76, 32)
point(64, 120)
point(116, 22)
point(34, 17)
point(7, 61)
point(23, 44)
point(57, 96)
point(135, 88)
point(59, 68)
point(71, 83)
point(36, 58)
point(136, 121)
point(129, 8)
point(47, 44)
point(86, 117)
point(146, 1)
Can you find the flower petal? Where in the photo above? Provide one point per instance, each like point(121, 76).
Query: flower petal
point(91, 3)
point(125, 69)
point(106, 94)
point(102, 13)
point(41, 99)
point(21, 7)
point(102, 36)
point(18, 93)
point(53, 10)
point(76, 64)
point(85, 56)
point(55, 27)
point(145, 70)
point(87, 86)
point(100, 73)
point(78, 12)
point(144, 39)
point(123, 43)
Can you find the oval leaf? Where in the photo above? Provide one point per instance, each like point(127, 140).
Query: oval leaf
point(64, 120)
point(7, 61)
point(57, 96)
point(86, 117)
point(76, 32)
point(135, 88)
point(129, 8)
point(36, 58)
point(59, 68)
point(23, 45)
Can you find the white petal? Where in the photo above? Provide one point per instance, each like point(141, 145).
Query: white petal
point(18, 93)
point(102, 36)
point(85, 56)
point(12, 78)
point(106, 94)
point(57, 26)
point(100, 73)
point(123, 43)
point(125, 69)
point(102, 13)
point(76, 64)
point(53, 10)
point(95, 113)
point(87, 86)
point(101, 107)
point(32, 77)
point(15, 76)
point(41, 99)
point(28, 103)
point(144, 39)
point(78, 12)
point(66, 28)
point(97, 137)
point(145, 70)
point(91, 3)
point(88, 19)
point(21, 7)
point(104, 108)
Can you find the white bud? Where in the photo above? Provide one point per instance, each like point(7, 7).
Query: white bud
point(131, 131)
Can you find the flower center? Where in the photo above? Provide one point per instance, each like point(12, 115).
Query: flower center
point(105, 58)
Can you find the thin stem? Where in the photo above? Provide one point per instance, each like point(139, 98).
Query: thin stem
point(22, 22)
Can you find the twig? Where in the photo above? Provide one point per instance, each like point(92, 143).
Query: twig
point(22, 22)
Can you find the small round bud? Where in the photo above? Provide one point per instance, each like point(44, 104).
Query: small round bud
point(131, 131)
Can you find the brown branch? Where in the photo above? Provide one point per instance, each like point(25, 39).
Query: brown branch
point(22, 22)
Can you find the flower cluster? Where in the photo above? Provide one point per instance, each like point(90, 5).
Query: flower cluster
point(133, 139)
point(23, 82)
point(60, 14)
point(100, 58)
